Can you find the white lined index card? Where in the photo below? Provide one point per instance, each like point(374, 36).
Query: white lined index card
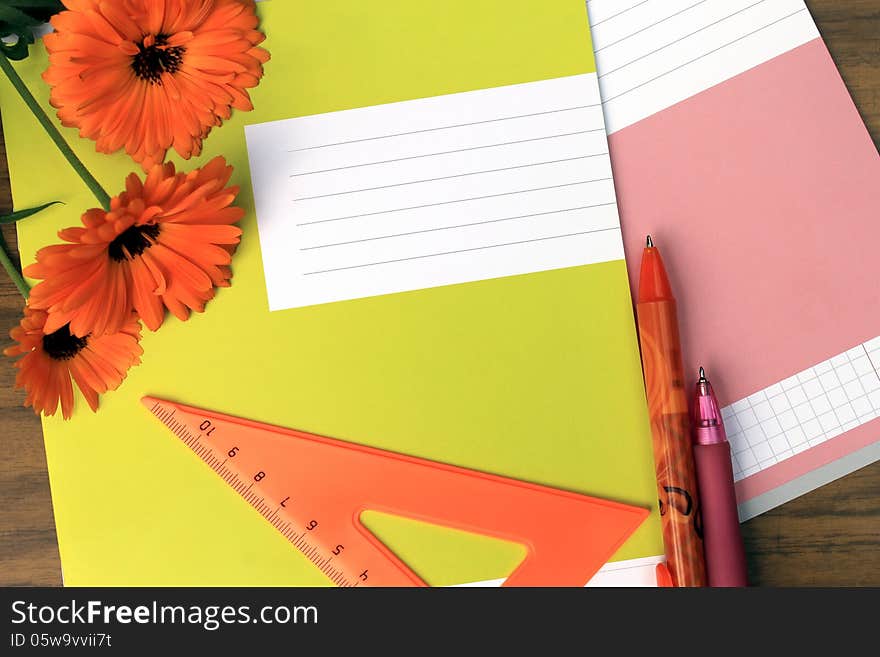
point(435, 191)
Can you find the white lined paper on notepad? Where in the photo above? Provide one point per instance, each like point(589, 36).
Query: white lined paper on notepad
point(433, 192)
point(652, 54)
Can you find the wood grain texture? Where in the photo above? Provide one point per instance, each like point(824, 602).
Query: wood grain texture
point(28, 547)
point(830, 537)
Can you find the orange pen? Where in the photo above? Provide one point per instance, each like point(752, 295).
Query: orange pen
point(670, 423)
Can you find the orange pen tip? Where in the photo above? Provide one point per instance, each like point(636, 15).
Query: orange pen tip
point(653, 280)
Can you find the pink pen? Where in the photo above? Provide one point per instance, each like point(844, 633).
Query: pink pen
point(722, 540)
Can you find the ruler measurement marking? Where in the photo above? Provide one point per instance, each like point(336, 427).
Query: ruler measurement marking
point(314, 552)
point(177, 428)
point(311, 552)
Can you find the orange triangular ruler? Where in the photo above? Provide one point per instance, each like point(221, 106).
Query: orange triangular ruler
point(313, 490)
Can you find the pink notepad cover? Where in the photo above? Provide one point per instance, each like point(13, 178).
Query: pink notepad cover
point(772, 184)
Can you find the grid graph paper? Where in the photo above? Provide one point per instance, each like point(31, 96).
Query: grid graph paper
point(809, 408)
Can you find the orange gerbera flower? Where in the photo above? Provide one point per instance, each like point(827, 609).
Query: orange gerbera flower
point(51, 360)
point(149, 75)
point(166, 243)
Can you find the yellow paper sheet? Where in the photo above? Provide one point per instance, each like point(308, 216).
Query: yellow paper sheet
point(535, 377)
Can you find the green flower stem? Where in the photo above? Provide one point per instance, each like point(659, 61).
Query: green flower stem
point(52, 131)
point(10, 267)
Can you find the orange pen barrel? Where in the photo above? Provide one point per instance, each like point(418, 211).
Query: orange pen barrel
point(670, 423)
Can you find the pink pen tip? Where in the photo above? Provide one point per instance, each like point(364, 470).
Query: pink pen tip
point(708, 424)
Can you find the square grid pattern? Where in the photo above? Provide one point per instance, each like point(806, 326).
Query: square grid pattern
point(820, 403)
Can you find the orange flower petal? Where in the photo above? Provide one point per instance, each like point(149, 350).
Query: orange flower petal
point(50, 362)
point(166, 244)
point(149, 75)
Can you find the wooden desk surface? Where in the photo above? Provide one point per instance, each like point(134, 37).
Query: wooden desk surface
point(830, 537)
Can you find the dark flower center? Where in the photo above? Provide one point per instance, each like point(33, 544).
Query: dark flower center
point(61, 345)
point(154, 60)
point(133, 241)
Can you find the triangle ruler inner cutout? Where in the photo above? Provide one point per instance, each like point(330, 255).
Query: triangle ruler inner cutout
point(314, 489)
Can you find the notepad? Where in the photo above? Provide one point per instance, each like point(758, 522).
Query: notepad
point(435, 191)
point(734, 141)
point(534, 376)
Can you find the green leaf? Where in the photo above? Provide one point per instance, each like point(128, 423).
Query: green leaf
point(54, 4)
point(18, 19)
point(24, 214)
point(16, 51)
point(42, 10)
